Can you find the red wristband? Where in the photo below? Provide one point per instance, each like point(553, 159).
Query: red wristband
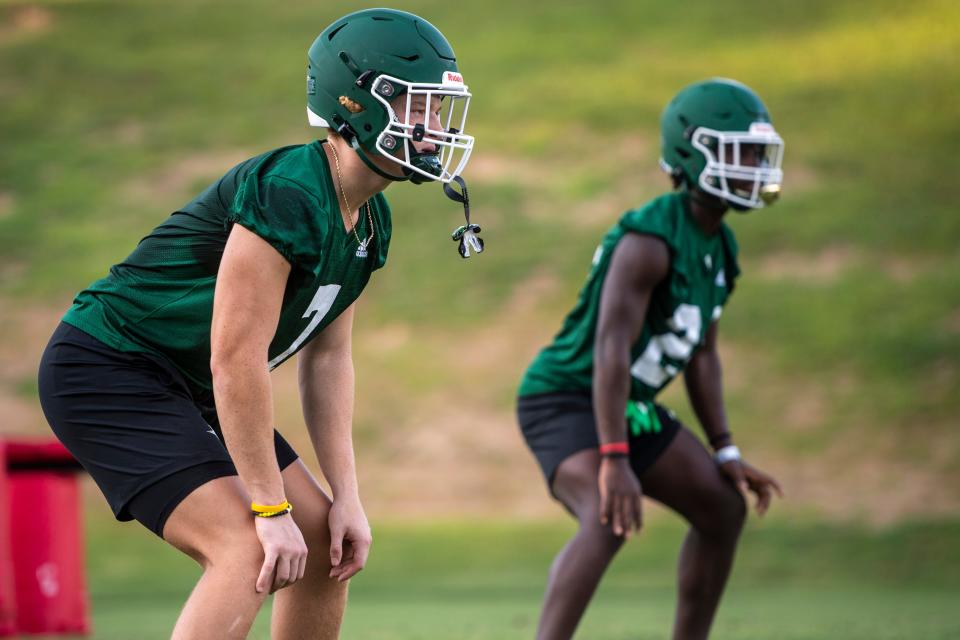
point(614, 448)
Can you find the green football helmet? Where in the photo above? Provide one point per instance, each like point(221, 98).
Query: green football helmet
point(361, 63)
point(705, 131)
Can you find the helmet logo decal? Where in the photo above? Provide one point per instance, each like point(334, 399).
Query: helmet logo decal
point(452, 78)
point(350, 105)
point(311, 86)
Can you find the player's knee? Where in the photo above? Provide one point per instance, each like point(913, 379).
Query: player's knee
point(605, 540)
point(575, 480)
point(586, 509)
point(238, 547)
point(715, 510)
point(212, 544)
point(580, 495)
point(734, 513)
point(599, 536)
point(317, 538)
point(726, 515)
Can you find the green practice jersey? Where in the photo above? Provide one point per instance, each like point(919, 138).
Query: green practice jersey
point(160, 299)
point(701, 277)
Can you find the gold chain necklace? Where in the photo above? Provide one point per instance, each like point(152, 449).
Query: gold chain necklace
point(362, 244)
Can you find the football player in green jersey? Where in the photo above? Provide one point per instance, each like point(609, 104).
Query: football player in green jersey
point(158, 377)
point(648, 311)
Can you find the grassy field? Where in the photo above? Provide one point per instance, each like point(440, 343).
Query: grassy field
point(841, 345)
point(475, 581)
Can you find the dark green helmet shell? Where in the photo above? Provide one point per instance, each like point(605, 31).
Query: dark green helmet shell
point(353, 51)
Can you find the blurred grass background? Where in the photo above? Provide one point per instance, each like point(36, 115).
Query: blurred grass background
point(841, 346)
point(477, 579)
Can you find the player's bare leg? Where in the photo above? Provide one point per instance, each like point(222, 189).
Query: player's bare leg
point(313, 606)
point(686, 479)
point(213, 525)
point(577, 569)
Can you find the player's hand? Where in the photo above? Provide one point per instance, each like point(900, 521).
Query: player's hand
point(620, 496)
point(350, 538)
point(284, 551)
point(748, 479)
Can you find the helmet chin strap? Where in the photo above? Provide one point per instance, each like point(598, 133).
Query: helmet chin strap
point(408, 174)
point(370, 164)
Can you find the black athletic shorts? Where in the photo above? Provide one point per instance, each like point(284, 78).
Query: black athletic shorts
point(558, 425)
point(131, 420)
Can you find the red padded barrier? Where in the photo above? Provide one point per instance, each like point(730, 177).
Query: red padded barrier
point(7, 602)
point(46, 538)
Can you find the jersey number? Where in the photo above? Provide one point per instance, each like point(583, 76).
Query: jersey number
point(667, 353)
point(319, 307)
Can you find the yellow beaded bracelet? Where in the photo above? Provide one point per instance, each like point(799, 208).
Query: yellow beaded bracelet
point(270, 510)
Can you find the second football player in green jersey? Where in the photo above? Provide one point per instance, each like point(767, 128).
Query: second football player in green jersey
point(650, 310)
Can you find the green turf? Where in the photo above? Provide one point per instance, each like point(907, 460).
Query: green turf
point(470, 580)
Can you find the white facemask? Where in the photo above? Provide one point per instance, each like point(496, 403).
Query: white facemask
point(723, 151)
point(455, 147)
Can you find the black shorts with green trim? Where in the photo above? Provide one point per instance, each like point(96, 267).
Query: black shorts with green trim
point(558, 425)
point(135, 425)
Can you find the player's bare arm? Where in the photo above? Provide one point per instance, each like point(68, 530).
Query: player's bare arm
point(246, 307)
point(326, 377)
point(704, 381)
point(639, 262)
